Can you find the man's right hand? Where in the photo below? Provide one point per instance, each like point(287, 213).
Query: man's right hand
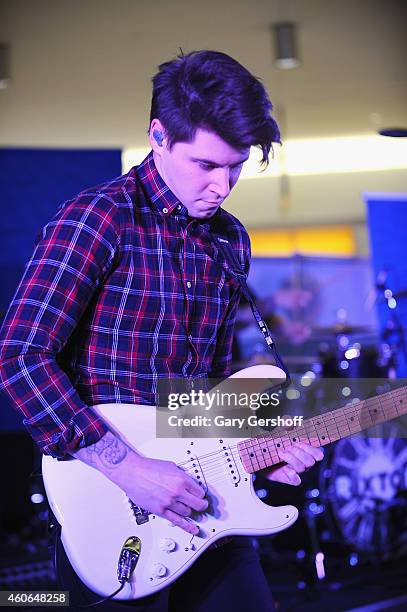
point(161, 487)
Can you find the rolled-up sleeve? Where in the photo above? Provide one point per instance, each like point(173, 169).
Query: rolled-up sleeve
point(72, 255)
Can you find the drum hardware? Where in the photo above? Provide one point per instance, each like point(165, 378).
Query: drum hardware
point(311, 511)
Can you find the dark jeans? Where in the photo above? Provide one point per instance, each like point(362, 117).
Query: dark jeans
point(228, 578)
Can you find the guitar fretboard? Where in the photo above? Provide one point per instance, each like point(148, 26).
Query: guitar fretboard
point(263, 451)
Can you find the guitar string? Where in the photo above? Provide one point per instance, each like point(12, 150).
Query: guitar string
point(310, 427)
point(214, 458)
point(347, 431)
point(217, 475)
point(219, 469)
point(222, 475)
point(219, 465)
point(215, 469)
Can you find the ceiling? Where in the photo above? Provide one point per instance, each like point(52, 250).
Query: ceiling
point(81, 70)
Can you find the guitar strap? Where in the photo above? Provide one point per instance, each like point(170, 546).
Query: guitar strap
point(229, 255)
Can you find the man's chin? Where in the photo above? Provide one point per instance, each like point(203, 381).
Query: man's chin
point(203, 214)
point(211, 212)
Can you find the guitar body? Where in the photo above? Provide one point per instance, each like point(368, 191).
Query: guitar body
point(97, 517)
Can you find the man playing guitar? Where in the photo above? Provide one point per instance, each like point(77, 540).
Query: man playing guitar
point(125, 288)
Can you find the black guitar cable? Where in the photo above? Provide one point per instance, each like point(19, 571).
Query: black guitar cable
point(100, 601)
point(55, 529)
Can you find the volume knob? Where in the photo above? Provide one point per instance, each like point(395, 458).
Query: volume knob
point(168, 545)
point(158, 570)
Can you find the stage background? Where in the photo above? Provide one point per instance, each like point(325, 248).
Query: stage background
point(387, 227)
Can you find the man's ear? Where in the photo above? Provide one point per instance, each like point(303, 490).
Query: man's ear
point(157, 136)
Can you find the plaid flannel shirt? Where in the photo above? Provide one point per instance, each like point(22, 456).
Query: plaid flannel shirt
point(123, 288)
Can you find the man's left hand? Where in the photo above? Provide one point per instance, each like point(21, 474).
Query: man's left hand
point(298, 458)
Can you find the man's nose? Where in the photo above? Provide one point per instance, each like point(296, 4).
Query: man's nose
point(221, 182)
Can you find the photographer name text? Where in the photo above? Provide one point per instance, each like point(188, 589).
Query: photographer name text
point(236, 422)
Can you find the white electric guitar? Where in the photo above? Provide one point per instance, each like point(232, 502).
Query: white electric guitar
point(100, 524)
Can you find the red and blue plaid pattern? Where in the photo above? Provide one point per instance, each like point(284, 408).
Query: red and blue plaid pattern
point(123, 289)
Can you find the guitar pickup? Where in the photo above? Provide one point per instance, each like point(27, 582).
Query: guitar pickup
point(196, 472)
point(230, 465)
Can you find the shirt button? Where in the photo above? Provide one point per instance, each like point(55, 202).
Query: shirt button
point(189, 285)
point(165, 210)
point(179, 207)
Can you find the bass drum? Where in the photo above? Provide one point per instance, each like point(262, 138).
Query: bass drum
point(363, 482)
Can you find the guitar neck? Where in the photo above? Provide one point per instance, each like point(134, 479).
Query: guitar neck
point(264, 451)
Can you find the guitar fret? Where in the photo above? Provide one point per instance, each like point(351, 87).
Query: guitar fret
point(271, 448)
point(333, 432)
point(331, 428)
point(245, 456)
point(311, 433)
point(301, 435)
point(265, 450)
point(259, 456)
point(320, 430)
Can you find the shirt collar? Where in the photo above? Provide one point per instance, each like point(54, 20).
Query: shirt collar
point(159, 194)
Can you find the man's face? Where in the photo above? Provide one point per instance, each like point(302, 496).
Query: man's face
point(201, 173)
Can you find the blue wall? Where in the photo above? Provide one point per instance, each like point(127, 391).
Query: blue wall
point(33, 183)
point(387, 215)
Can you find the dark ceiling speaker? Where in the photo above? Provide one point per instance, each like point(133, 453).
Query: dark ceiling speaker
point(285, 45)
point(4, 66)
point(394, 132)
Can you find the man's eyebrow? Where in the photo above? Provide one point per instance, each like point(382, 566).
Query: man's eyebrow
point(215, 164)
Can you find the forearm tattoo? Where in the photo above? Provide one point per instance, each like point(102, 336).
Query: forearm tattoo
point(109, 451)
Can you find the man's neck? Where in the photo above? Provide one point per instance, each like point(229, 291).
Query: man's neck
point(160, 170)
